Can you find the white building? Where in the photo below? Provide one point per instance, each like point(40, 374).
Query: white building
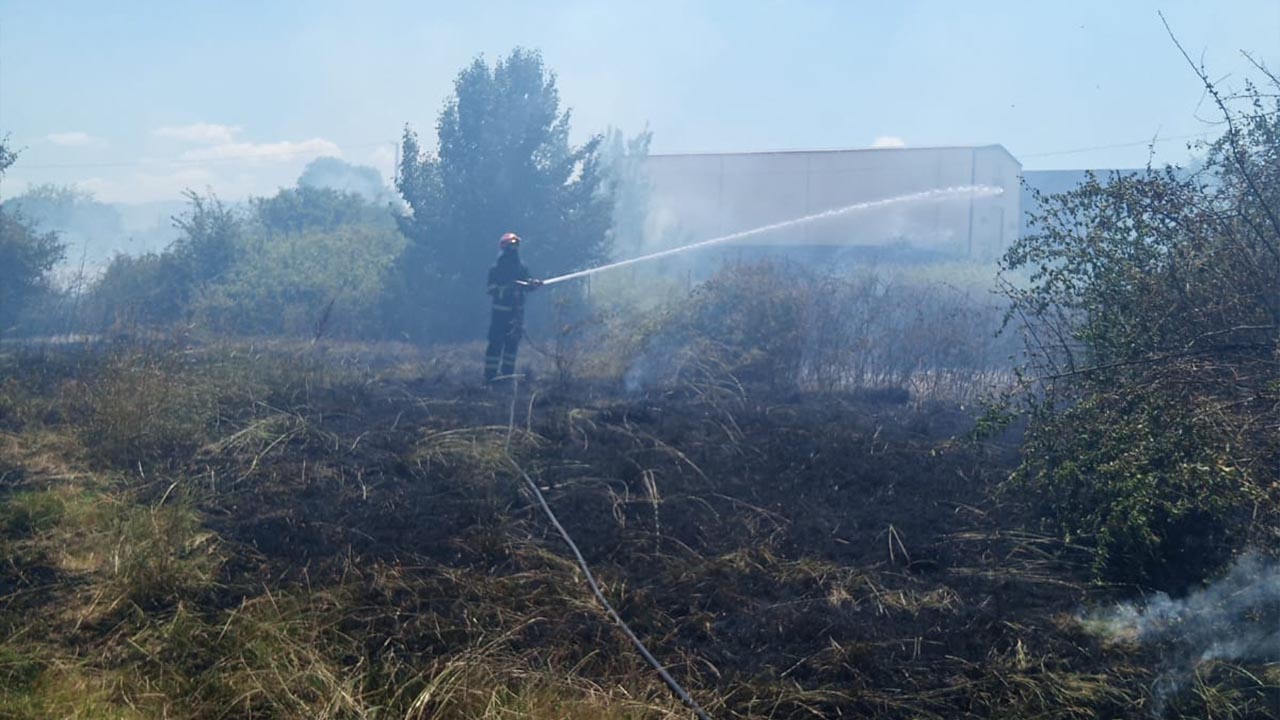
point(699, 196)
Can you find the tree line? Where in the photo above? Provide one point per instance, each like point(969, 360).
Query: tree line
point(1149, 302)
point(326, 259)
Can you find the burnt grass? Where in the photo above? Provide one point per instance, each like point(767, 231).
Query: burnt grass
point(786, 554)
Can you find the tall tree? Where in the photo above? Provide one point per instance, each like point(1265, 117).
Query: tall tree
point(68, 209)
point(306, 207)
point(504, 164)
point(90, 230)
point(26, 254)
point(335, 174)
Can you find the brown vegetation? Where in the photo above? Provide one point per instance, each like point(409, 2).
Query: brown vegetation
point(331, 532)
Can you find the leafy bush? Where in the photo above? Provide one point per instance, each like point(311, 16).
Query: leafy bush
point(26, 258)
point(157, 289)
point(773, 324)
point(305, 261)
point(320, 281)
point(1153, 319)
point(143, 291)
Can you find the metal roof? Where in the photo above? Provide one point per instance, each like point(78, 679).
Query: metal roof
point(997, 147)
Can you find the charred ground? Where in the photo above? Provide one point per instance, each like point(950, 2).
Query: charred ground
point(338, 532)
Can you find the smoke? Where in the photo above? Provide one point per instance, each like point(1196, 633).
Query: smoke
point(935, 195)
point(653, 363)
point(1236, 618)
point(335, 174)
point(665, 356)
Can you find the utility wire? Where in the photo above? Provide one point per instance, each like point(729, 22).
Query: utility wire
point(1136, 143)
point(671, 682)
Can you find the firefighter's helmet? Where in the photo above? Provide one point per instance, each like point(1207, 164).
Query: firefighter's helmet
point(508, 240)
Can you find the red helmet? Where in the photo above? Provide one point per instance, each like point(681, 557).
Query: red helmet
point(508, 240)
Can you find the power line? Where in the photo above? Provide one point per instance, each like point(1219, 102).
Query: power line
point(1136, 143)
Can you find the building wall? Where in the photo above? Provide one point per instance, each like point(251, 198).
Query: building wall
point(696, 197)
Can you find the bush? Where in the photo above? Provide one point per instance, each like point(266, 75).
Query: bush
point(1144, 484)
point(755, 315)
point(1153, 319)
point(26, 259)
point(778, 326)
point(309, 261)
point(143, 291)
point(310, 283)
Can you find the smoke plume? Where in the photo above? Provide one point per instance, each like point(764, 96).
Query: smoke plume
point(1235, 618)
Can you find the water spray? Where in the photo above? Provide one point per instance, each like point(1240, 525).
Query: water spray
point(972, 191)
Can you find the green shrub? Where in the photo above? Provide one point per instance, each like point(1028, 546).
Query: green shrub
point(308, 283)
point(141, 291)
point(1146, 486)
point(779, 326)
point(1152, 315)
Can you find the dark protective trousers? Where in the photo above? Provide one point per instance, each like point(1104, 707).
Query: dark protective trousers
point(505, 328)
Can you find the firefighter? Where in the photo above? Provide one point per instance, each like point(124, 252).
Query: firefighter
point(509, 280)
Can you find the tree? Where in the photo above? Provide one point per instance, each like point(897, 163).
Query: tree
point(160, 288)
point(1152, 307)
point(91, 231)
point(209, 241)
point(335, 174)
point(69, 210)
point(303, 208)
point(309, 260)
point(26, 254)
point(504, 164)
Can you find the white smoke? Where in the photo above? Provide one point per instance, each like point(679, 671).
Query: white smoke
point(1235, 618)
point(936, 195)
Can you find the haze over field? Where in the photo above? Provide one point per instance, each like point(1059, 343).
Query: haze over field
point(138, 101)
point(750, 360)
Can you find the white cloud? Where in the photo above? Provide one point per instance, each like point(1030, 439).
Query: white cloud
point(214, 160)
point(234, 171)
point(74, 138)
point(201, 133)
point(284, 150)
point(889, 141)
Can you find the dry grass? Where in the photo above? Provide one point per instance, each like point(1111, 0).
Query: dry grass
point(349, 543)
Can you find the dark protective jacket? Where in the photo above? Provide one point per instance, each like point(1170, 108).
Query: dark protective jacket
point(507, 295)
point(506, 322)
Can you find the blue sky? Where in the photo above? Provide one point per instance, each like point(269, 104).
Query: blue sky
point(136, 100)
